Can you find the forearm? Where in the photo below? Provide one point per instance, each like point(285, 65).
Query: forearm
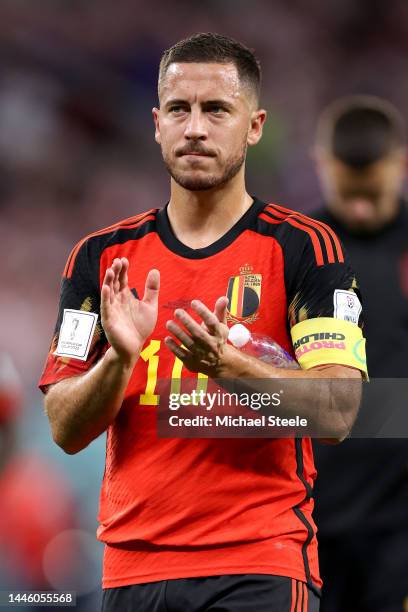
point(81, 408)
point(327, 396)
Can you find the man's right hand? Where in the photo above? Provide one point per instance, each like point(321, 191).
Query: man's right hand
point(127, 321)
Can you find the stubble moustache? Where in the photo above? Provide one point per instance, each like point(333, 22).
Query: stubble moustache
point(204, 183)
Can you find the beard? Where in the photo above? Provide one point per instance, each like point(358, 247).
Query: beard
point(212, 180)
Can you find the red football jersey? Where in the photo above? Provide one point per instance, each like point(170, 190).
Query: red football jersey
point(175, 508)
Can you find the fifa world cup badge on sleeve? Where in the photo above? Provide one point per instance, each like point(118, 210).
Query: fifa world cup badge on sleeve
point(75, 336)
point(347, 306)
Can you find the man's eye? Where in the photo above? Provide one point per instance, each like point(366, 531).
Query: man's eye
point(177, 109)
point(217, 110)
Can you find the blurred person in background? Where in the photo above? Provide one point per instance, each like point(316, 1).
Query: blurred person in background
point(11, 397)
point(39, 545)
point(362, 486)
point(200, 524)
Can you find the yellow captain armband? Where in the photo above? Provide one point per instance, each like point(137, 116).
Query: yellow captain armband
point(327, 340)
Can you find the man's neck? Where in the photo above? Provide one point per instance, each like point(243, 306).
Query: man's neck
point(200, 218)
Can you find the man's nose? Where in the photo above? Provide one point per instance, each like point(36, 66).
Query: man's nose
point(196, 128)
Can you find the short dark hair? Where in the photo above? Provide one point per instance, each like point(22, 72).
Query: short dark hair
point(360, 130)
point(208, 47)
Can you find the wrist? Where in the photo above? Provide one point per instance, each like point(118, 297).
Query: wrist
point(126, 362)
point(237, 364)
point(228, 364)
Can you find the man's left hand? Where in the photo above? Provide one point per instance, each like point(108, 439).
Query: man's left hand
point(202, 345)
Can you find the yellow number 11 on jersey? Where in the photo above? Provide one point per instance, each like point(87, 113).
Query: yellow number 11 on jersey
point(150, 354)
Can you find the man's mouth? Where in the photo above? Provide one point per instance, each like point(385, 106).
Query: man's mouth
point(184, 153)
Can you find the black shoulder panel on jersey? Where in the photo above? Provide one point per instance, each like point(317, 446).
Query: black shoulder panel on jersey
point(314, 259)
point(284, 223)
point(80, 285)
point(93, 244)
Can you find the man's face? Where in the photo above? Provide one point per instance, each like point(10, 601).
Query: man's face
point(363, 200)
point(206, 120)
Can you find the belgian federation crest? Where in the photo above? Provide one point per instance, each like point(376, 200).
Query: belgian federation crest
point(244, 296)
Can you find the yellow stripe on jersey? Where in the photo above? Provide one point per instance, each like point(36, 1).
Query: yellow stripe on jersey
point(234, 297)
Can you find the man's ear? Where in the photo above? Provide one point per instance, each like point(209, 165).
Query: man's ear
point(402, 157)
point(319, 156)
point(315, 154)
point(258, 119)
point(156, 117)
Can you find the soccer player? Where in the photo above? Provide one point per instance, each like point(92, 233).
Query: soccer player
point(203, 524)
point(362, 512)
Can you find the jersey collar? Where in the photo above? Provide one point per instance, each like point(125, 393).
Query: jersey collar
point(171, 241)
